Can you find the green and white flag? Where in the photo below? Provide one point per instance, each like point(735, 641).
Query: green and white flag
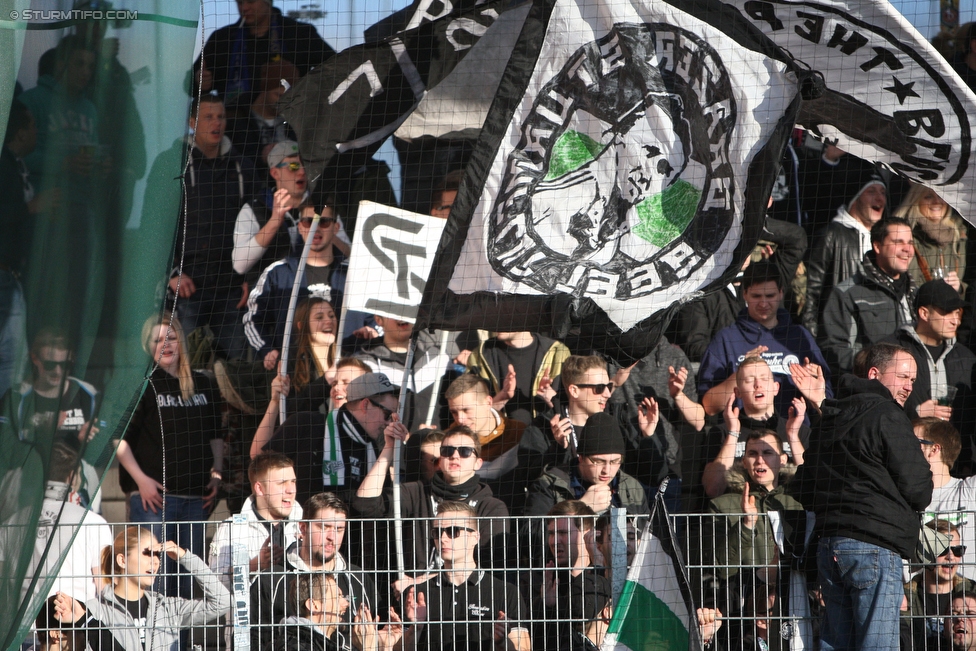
point(656, 611)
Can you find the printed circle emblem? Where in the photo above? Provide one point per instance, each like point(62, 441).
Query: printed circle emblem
point(621, 183)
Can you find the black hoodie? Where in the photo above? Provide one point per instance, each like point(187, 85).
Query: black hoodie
point(864, 474)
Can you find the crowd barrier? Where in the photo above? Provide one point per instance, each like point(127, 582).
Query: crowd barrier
point(766, 586)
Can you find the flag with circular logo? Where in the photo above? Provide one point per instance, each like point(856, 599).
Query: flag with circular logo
point(627, 155)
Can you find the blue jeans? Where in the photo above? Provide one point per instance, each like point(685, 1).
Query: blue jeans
point(184, 526)
point(862, 593)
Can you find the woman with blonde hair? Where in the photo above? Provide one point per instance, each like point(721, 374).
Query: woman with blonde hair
point(139, 618)
point(940, 238)
point(173, 443)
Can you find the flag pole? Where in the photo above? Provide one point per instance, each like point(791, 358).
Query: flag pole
point(290, 317)
point(397, 447)
point(439, 366)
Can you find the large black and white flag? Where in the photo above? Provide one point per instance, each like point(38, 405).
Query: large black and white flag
point(343, 110)
point(628, 153)
point(890, 97)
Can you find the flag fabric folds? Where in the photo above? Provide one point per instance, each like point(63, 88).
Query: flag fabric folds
point(627, 155)
point(343, 110)
point(890, 96)
point(656, 611)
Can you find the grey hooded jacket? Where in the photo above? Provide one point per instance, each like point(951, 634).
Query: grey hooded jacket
point(168, 616)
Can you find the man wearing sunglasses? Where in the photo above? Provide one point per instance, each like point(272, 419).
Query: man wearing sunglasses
point(929, 592)
point(325, 270)
point(263, 234)
point(953, 499)
point(456, 479)
point(462, 606)
point(335, 451)
point(53, 405)
point(586, 391)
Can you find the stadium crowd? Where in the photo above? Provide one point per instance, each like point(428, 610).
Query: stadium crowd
point(819, 409)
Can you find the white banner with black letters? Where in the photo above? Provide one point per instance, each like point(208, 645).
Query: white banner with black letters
point(391, 256)
point(890, 98)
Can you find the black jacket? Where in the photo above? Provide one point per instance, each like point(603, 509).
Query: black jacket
point(300, 634)
point(15, 218)
point(215, 190)
point(233, 53)
point(835, 256)
point(271, 597)
point(419, 500)
point(864, 475)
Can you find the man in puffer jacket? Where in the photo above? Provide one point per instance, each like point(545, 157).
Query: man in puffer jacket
point(875, 302)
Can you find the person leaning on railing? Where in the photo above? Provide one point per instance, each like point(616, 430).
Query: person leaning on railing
point(141, 619)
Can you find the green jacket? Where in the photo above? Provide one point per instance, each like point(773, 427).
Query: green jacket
point(734, 546)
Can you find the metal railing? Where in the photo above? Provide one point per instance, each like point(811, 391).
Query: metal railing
point(760, 580)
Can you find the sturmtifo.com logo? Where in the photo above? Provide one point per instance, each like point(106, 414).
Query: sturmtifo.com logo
point(620, 185)
point(74, 14)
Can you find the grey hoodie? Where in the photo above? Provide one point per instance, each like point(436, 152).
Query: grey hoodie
point(168, 616)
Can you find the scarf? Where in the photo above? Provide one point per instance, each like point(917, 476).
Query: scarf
point(943, 232)
point(460, 493)
point(333, 463)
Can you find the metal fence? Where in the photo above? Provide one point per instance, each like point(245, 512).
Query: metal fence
point(533, 577)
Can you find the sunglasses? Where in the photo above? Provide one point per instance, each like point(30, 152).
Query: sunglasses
point(387, 413)
point(452, 532)
point(50, 365)
point(464, 451)
point(323, 221)
point(148, 553)
point(598, 388)
point(292, 165)
point(957, 551)
point(926, 442)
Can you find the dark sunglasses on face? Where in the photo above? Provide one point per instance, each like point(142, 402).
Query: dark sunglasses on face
point(292, 165)
point(452, 532)
point(464, 451)
point(387, 413)
point(598, 388)
point(148, 553)
point(957, 551)
point(50, 365)
point(323, 221)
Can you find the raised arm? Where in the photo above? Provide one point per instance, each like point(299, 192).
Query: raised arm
point(691, 411)
point(713, 477)
point(372, 485)
point(280, 386)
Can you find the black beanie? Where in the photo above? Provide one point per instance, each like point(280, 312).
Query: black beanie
point(867, 178)
point(601, 435)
